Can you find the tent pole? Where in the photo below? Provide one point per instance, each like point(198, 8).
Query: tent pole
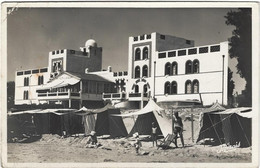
point(192, 131)
point(172, 122)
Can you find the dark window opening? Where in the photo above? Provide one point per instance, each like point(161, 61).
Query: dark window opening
point(215, 48)
point(181, 52)
point(145, 71)
point(26, 81)
point(20, 73)
point(145, 88)
point(115, 73)
point(162, 55)
point(196, 66)
point(44, 70)
point(162, 37)
point(167, 69)
point(120, 73)
point(172, 54)
point(188, 42)
point(188, 67)
point(35, 71)
point(167, 88)
point(136, 89)
point(145, 53)
point(135, 38)
point(173, 87)
point(125, 73)
point(53, 52)
point(192, 51)
point(137, 54)
point(148, 36)
point(137, 72)
point(27, 72)
point(142, 37)
point(61, 51)
point(203, 50)
point(57, 52)
point(195, 86)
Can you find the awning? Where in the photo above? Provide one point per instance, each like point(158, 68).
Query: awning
point(86, 111)
point(242, 111)
point(150, 107)
point(59, 82)
point(44, 111)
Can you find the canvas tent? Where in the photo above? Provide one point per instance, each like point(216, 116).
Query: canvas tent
point(101, 121)
point(150, 113)
point(230, 126)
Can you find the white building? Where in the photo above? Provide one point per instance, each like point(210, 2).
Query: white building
point(170, 68)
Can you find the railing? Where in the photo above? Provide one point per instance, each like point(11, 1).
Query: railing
point(134, 94)
point(114, 95)
point(51, 94)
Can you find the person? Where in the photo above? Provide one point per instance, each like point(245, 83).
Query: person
point(178, 128)
point(154, 134)
point(137, 143)
point(92, 140)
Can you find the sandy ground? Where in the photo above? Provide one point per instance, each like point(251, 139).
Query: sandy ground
point(52, 148)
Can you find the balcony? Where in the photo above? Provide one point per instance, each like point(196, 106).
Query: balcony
point(114, 96)
point(138, 96)
point(58, 95)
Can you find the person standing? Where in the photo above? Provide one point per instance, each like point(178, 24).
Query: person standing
point(137, 143)
point(154, 134)
point(178, 128)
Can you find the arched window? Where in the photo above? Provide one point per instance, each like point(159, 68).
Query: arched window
point(174, 87)
point(195, 86)
point(174, 68)
point(136, 89)
point(188, 67)
point(196, 66)
point(145, 88)
point(188, 88)
point(168, 68)
point(145, 71)
point(167, 88)
point(137, 72)
point(137, 54)
point(40, 80)
point(145, 53)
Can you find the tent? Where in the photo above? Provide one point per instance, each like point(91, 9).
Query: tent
point(230, 126)
point(150, 113)
point(101, 121)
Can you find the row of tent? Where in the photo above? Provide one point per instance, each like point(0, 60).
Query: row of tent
point(230, 126)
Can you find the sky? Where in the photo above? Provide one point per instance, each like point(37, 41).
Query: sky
point(33, 32)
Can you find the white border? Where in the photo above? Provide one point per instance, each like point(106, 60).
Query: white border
point(255, 74)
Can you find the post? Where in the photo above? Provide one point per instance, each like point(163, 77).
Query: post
point(154, 81)
point(192, 131)
point(223, 79)
point(172, 122)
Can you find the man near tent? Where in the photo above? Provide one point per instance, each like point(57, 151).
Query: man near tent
point(154, 134)
point(92, 140)
point(178, 128)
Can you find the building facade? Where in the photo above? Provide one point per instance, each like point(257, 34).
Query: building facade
point(171, 69)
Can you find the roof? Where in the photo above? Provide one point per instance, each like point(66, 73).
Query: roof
point(91, 77)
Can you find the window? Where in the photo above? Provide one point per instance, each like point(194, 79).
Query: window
point(188, 88)
point(125, 73)
point(188, 67)
point(196, 66)
point(145, 88)
point(25, 95)
point(167, 69)
point(120, 73)
point(137, 72)
point(145, 53)
point(142, 37)
point(162, 55)
point(26, 81)
point(145, 71)
point(167, 88)
point(20, 73)
point(115, 74)
point(53, 52)
point(44, 70)
point(57, 52)
point(174, 68)
point(188, 42)
point(192, 51)
point(85, 87)
point(135, 38)
point(35, 71)
point(136, 89)
point(172, 54)
point(27, 72)
point(195, 86)
point(162, 37)
point(137, 54)
point(215, 48)
point(148, 36)
point(61, 51)
point(181, 52)
point(174, 87)
point(40, 80)
point(203, 50)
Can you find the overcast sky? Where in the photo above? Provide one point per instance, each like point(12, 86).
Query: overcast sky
point(33, 32)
